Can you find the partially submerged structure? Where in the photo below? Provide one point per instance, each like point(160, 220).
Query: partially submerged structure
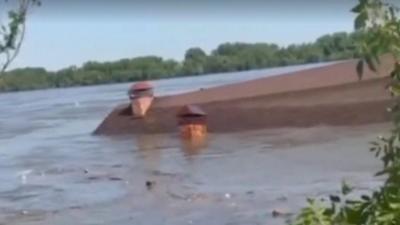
point(331, 95)
point(141, 96)
point(192, 122)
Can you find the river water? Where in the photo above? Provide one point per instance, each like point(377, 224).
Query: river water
point(53, 171)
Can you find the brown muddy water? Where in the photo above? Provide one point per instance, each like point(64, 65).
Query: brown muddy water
point(53, 171)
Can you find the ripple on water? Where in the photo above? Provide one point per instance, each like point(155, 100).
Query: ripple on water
point(48, 198)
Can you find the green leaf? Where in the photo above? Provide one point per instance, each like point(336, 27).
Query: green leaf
point(358, 8)
point(395, 206)
point(361, 20)
point(346, 189)
point(380, 173)
point(395, 89)
point(365, 197)
point(386, 218)
point(372, 65)
point(334, 198)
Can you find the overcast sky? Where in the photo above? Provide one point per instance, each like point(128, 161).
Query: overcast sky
point(64, 33)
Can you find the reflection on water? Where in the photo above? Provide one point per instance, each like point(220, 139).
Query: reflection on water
point(193, 147)
point(150, 150)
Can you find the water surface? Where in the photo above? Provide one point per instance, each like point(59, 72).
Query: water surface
point(53, 171)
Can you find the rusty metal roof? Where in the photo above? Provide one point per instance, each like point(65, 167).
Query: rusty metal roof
point(191, 110)
point(141, 86)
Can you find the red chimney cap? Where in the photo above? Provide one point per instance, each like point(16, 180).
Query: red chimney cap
point(141, 86)
point(191, 110)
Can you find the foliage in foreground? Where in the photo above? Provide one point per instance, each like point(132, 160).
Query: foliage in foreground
point(381, 25)
point(12, 34)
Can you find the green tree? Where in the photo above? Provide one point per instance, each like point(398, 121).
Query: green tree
point(226, 57)
point(194, 63)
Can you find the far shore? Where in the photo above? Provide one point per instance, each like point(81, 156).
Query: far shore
point(244, 72)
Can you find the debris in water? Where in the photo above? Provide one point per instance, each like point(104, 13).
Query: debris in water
point(282, 198)
point(150, 184)
point(250, 192)
point(280, 213)
point(94, 178)
point(228, 196)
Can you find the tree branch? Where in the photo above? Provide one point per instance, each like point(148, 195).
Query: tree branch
point(14, 36)
point(11, 57)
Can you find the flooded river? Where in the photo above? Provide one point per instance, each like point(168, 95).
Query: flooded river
point(53, 171)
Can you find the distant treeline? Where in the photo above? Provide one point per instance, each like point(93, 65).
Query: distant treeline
point(225, 58)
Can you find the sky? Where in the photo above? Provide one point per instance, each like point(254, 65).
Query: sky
point(64, 33)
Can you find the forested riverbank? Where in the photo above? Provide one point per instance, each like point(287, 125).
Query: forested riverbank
point(227, 57)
